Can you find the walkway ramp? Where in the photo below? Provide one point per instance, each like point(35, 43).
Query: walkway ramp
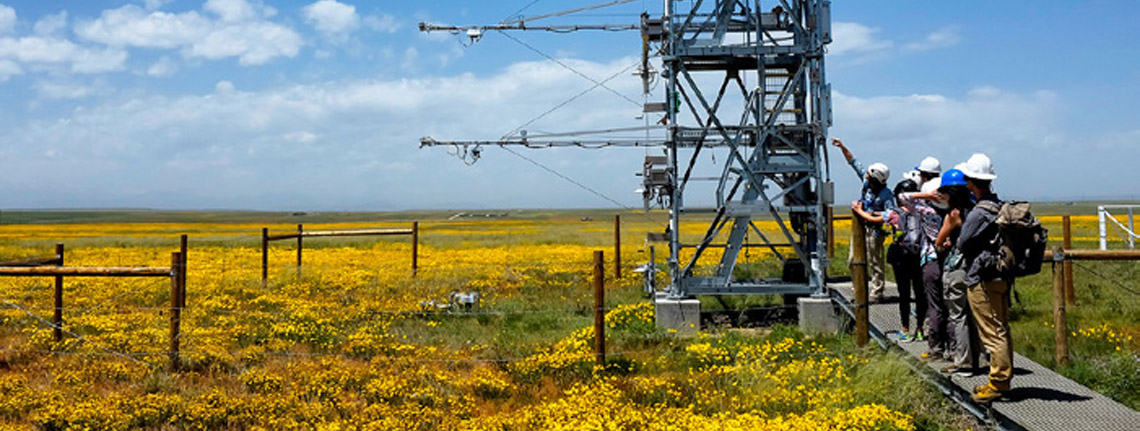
point(1040, 400)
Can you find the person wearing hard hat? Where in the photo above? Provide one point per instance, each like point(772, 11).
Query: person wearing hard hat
point(961, 344)
point(929, 169)
point(905, 256)
point(875, 200)
point(933, 207)
point(989, 288)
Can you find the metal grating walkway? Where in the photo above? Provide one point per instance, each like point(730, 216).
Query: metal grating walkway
point(1040, 400)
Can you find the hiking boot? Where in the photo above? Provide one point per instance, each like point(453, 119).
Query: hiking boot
point(986, 394)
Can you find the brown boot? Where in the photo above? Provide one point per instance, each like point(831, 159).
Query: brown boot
point(986, 394)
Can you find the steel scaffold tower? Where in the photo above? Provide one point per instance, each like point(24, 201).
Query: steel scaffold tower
point(777, 146)
point(775, 136)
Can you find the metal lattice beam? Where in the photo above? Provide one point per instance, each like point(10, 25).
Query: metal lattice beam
point(775, 137)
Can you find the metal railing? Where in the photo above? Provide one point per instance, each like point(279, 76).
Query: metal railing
point(1128, 233)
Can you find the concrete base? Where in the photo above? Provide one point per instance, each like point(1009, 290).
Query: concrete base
point(682, 315)
point(817, 316)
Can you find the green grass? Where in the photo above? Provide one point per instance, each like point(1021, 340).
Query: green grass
point(1103, 298)
point(515, 333)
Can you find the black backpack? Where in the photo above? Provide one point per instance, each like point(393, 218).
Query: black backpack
point(909, 235)
point(1021, 238)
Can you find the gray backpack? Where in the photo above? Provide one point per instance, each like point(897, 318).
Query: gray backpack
point(909, 233)
point(1021, 238)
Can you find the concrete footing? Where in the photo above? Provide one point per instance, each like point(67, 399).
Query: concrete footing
point(682, 315)
point(818, 316)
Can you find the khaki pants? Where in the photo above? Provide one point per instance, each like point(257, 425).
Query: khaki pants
point(876, 280)
point(989, 301)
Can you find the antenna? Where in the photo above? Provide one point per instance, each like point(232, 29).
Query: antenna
point(775, 136)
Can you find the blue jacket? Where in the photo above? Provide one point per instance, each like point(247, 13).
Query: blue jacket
point(875, 201)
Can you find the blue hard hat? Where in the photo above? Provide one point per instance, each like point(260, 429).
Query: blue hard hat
point(953, 177)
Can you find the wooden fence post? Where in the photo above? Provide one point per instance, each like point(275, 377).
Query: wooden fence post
point(176, 270)
point(1062, 331)
point(830, 232)
point(264, 256)
point(182, 242)
point(57, 317)
point(617, 247)
point(599, 308)
point(859, 278)
point(300, 231)
point(415, 247)
point(1070, 294)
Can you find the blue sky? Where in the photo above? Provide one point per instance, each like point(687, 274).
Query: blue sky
point(303, 105)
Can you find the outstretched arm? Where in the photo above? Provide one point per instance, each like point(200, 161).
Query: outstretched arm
point(846, 153)
point(858, 167)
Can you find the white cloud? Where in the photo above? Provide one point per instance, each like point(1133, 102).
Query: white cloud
point(852, 38)
point(98, 61)
point(163, 67)
point(1021, 132)
point(7, 19)
point(253, 43)
point(8, 69)
point(359, 138)
point(944, 37)
point(62, 90)
point(132, 26)
point(48, 51)
point(51, 25)
point(411, 57)
point(854, 43)
point(224, 87)
point(238, 10)
point(301, 137)
point(383, 23)
point(241, 32)
point(331, 16)
point(155, 4)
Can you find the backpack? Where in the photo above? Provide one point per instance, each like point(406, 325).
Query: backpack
point(1021, 238)
point(909, 234)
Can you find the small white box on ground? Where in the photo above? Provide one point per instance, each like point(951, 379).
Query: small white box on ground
point(682, 315)
point(817, 316)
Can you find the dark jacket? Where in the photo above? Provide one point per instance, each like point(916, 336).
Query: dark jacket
point(979, 241)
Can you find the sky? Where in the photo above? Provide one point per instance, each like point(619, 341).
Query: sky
point(302, 105)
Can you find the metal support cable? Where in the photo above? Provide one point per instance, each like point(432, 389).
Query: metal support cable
point(523, 20)
point(521, 10)
point(568, 101)
point(76, 336)
point(1111, 280)
point(575, 71)
point(572, 181)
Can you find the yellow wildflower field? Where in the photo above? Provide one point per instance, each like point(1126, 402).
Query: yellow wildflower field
point(354, 340)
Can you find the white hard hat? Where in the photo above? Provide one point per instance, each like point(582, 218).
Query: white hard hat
point(930, 165)
point(879, 172)
point(913, 176)
point(978, 167)
point(932, 186)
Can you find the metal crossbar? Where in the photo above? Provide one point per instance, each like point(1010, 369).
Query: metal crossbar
point(1128, 233)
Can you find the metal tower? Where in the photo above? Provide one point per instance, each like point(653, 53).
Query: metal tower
point(742, 78)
